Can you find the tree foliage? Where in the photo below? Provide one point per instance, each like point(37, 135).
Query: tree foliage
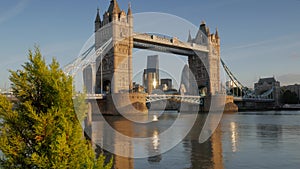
point(43, 130)
point(289, 97)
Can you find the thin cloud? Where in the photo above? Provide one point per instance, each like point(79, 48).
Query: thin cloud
point(14, 11)
point(255, 44)
point(289, 79)
point(277, 40)
point(268, 47)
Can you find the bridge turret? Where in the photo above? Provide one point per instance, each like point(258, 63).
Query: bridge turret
point(204, 29)
point(190, 37)
point(123, 16)
point(130, 17)
point(105, 18)
point(207, 70)
point(116, 73)
point(114, 10)
point(217, 34)
point(130, 37)
point(129, 12)
point(115, 16)
point(97, 21)
point(217, 41)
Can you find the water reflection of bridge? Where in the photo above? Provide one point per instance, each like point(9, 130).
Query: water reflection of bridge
point(188, 154)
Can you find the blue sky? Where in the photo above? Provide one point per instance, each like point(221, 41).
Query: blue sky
point(259, 38)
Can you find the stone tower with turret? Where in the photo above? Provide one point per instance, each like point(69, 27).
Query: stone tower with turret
point(206, 66)
point(116, 66)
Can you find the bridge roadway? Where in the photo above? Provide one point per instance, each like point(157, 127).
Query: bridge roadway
point(95, 96)
point(178, 98)
point(167, 45)
point(183, 98)
point(263, 100)
point(154, 98)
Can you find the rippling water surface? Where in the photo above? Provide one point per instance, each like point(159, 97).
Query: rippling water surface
point(242, 140)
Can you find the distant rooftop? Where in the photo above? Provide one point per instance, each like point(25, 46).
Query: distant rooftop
point(267, 80)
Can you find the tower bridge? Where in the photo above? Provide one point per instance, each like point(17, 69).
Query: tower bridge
point(108, 71)
point(114, 70)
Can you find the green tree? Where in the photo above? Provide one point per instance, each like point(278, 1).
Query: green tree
point(42, 131)
point(289, 97)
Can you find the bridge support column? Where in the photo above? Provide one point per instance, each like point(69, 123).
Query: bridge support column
point(230, 106)
point(215, 103)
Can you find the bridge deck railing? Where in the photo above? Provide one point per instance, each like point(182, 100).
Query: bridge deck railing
point(170, 41)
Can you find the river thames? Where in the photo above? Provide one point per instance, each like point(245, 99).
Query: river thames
point(243, 140)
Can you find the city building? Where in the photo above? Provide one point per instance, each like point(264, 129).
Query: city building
point(151, 74)
point(293, 88)
point(166, 84)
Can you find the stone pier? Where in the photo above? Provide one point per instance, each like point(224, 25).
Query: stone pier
point(123, 103)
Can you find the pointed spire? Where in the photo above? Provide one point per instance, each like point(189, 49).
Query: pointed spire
point(217, 33)
point(97, 21)
point(190, 36)
point(129, 12)
point(203, 28)
point(207, 31)
point(114, 7)
point(98, 16)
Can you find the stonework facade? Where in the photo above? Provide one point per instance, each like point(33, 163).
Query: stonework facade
point(206, 66)
point(117, 63)
point(114, 71)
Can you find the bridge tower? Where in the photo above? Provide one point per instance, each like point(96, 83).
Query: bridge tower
point(206, 66)
point(114, 72)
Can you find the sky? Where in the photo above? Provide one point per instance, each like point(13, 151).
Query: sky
point(259, 38)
